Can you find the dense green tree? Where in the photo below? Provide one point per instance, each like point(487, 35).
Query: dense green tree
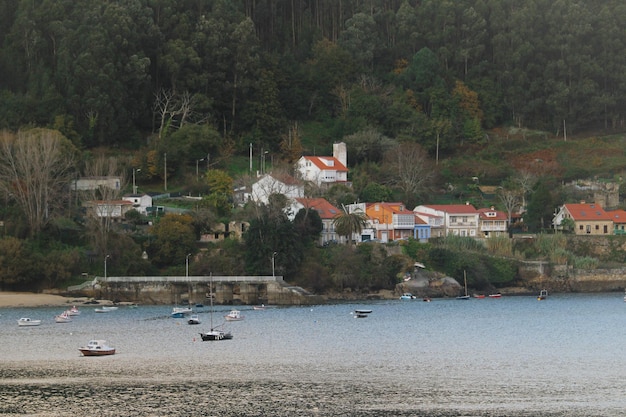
point(308, 224)
point(174, 238)
point(541, 207)
point(271, 237)
point(375, 192)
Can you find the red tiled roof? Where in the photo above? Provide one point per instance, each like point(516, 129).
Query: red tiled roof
point(321, 205)
point(587, 211)
point(618, 216)
point(454, 208)
point(324, 163)
point(499, 215)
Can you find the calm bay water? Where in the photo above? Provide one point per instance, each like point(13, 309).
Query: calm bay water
point(513, 356)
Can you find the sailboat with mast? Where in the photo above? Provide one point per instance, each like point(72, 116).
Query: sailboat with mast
point(214, 333)
point(466, 296)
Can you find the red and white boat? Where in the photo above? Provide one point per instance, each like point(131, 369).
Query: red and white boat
point(73, 311)
point(496, 295)
point(97, 348)
point(63, 317)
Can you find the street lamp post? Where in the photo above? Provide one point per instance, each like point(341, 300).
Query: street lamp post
point(105, 266)
point(250, 158)
point(197, 162)
point(274, 265)
point(263, 160)
point(187, 266)
point(134, 185)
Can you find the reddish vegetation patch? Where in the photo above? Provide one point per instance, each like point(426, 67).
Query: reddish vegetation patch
point(540, 163)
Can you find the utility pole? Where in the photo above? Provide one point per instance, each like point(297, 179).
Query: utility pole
point(165, 171)
point(250, 158)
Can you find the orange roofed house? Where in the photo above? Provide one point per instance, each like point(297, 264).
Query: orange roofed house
point(325, 170)
point(390, 221)
point(588, 218)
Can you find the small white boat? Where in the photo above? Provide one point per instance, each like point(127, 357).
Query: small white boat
point(180, 312)
point(194, 319)
point(496, 295)
point(27, 321)
point(106, 309)
point(97, 348)
point(261, 307)
point(63, 318)
point(234, 315)
point(73, 311)
point(543, 294)
point(407, 296)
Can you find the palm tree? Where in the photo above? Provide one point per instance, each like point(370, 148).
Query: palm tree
point(347, 224)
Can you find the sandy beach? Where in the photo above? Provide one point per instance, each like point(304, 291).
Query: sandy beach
point(28, 299)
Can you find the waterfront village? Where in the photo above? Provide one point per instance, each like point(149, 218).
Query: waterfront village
point(386, 222)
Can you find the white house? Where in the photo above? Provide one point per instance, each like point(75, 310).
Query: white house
point(493, 223)
point(450, 219)
point(93, 183)
point(270, 184)
point(325, 169)
point(140, 202)
point(113, 209)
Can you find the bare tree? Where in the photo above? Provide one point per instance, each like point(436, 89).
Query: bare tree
point(526, 181)
point(510, 199)
point(99, 224)
point(168, 106)
point(410, 171)
point(35, 168)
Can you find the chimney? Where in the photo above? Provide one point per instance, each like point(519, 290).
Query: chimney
point(340, 152)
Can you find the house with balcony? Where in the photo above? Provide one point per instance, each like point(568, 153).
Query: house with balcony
point(493, 223)
point(390, 221)
point(325, 170)
point(587, 218)
point(327, 213)
point(450, 219)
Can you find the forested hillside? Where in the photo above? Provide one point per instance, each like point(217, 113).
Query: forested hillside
point(113, 72)
point(433, 99)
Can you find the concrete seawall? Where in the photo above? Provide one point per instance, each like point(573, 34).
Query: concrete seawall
point(197, 290)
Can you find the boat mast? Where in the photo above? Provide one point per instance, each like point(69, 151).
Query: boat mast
point(465, 281)
point(211, 297)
